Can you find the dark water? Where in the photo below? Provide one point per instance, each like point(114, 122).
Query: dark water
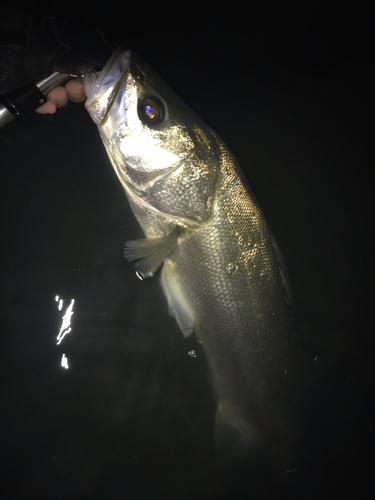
point(132, 416)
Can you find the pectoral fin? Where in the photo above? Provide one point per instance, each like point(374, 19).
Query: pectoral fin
point(150, 252)
point(283, 272)
point(178, 306)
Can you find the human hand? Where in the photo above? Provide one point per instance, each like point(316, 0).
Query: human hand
point(59, 97)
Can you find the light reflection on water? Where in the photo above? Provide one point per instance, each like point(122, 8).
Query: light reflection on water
point(64, 362)
point(65, 327)
point(66, 319)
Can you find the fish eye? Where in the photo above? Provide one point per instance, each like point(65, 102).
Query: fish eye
point(151, 111)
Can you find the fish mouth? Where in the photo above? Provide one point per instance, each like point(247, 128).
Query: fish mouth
point(101, 89)
point(116, 65)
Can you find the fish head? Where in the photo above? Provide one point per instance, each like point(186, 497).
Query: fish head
point(163, 154)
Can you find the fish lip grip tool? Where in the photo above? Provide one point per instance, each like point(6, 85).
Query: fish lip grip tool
point(37, 46)
point(21, 102)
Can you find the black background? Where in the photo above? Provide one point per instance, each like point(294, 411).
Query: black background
point(289, 88)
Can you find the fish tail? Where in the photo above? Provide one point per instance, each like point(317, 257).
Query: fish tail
point(240, 439)
point(236, 439)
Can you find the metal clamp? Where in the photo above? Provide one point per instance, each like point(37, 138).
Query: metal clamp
point(28, 98)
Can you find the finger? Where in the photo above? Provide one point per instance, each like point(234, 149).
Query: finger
point(75, 91)
point(58, 97)
point(48, 108)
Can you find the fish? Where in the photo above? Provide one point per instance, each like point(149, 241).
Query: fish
point(221, 271)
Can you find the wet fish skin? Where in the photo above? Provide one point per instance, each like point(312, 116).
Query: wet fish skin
point(222, 273)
